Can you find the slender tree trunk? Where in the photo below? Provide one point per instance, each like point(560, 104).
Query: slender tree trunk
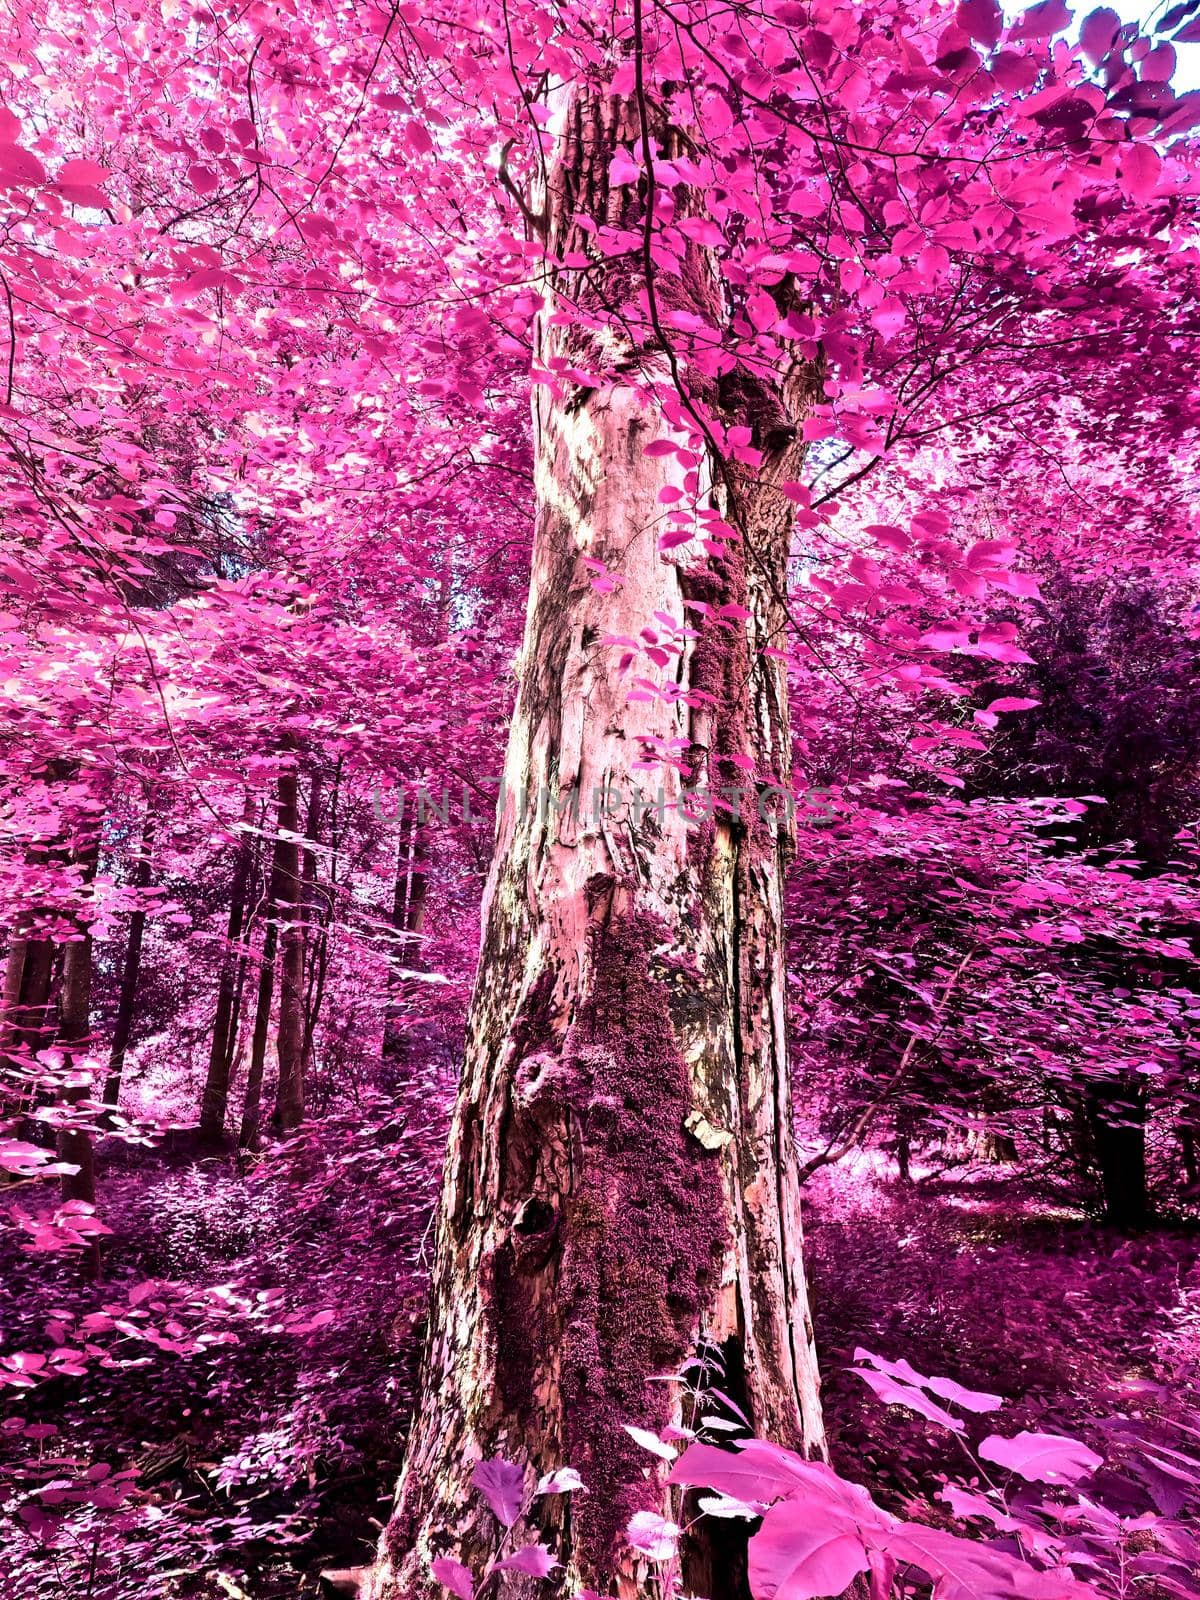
point(30, 1026)
point(408, 920)
point(248, 1138)
point(244, 954)
point(282, 895)
point(621, 1189)
point(14, 970)
point(75, 1145)
point(131, 970)
point(316, 927)
point(289, 1097)
point(1187, 1152)
point(215, 1100)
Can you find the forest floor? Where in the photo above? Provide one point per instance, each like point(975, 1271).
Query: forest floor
point(258, 1388)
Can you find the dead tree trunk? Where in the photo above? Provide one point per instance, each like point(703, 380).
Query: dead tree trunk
point(621, 1189)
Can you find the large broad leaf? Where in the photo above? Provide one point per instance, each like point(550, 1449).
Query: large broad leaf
point(758, 1472)
point(1041, 1457)
point(805, 1550)
point(502, 1485)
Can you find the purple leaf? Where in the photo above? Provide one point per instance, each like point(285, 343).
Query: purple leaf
point(454, 1576)
point(502, 1485)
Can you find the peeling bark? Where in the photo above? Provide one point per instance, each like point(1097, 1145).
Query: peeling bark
point(621, 1188)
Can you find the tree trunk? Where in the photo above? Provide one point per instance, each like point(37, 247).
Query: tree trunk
point(14, 971)
point(1187, 1152)
point(289, 1096)
point(408, 918)
point(621, 1190)
point(282, 894)
point(131, 971)
point(29, 1027)
point(74, 1145)
point(215, 1100)
point(248, 1137)
point(1116, 1113)
point(244, 954)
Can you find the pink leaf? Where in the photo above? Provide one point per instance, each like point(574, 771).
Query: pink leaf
point(1041, 1457)
point(78, 171)
point(534, 1560)
point(982, 20)
point(643, 1436)
point(565, 1480)
point(1012, 703)
point(797, 1555)
point(977, 1400)
point(653, 1536)
point(1099, 33)
point(901, 1394)
point(20, 166)
point(1040, 21)
point(1141, 168)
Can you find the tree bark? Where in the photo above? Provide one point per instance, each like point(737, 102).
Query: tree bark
point(130, 971)
point(215, 1100)
point(621, 1194)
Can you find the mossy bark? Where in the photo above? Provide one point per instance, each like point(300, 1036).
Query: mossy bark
point(620, 1191)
